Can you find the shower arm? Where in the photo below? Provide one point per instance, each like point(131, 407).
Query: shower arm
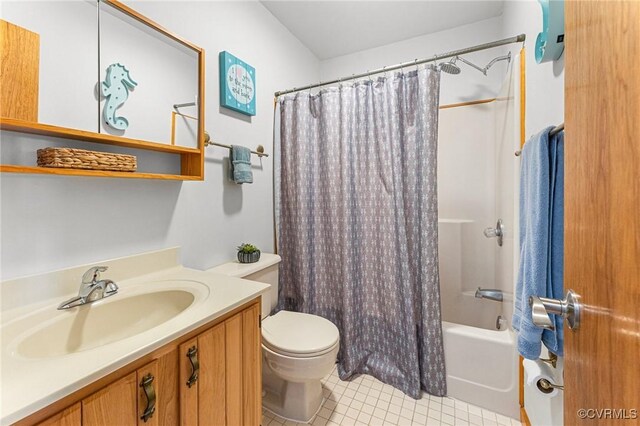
point(489, 65)
point(506, 57)
point(471, 64)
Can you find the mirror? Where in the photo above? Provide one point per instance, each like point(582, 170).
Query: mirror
point(152, 86)
point(68, 33)
point(106, 69)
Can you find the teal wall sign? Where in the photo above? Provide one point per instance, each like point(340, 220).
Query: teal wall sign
point(115, 89)
point(237, 84)
point(550, 42)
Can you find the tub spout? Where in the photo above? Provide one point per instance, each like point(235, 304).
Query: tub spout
point(489, 293)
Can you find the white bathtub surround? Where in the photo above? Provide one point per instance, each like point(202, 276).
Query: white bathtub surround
point(478, 185)
point(29, 304)
point(367, 401)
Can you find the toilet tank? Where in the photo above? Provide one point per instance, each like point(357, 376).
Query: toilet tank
point(264, 270)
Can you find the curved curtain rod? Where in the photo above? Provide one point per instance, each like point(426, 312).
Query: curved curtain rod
point(516, 39)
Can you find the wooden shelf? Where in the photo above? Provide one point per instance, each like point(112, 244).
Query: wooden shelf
point(9, 168)
point(82, 135)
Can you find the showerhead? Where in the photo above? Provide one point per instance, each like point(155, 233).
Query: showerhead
point(450, 67)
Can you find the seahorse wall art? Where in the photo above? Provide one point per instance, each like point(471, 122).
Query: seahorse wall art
point(115, 89)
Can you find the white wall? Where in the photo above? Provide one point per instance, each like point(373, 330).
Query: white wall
point(468, 85)
point(51, 222)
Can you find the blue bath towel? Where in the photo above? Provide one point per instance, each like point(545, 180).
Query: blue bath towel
point(240, 165)
point(540, 271)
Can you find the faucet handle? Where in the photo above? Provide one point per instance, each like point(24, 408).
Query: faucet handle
point(93, 274)
point(497, 232)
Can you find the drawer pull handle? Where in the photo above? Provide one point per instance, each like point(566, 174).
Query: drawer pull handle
point(192, 354)
point(147, 385)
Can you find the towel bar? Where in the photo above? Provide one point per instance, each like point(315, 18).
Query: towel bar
point(559, 128)
point(207, 141)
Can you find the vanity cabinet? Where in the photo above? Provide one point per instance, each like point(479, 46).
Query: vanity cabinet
point(210, 376)
point(228, 385)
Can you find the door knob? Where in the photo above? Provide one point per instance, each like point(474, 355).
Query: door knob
point(497, 232)
point(569, 309)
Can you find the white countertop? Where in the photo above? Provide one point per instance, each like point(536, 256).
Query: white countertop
point(29, 384)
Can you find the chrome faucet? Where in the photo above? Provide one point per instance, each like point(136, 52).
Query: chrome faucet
point(489, 293)
point(91, 289)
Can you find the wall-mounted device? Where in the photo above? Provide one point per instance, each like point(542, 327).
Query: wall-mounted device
point(550, 42)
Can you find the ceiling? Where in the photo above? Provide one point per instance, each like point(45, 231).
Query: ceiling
point(335, 28)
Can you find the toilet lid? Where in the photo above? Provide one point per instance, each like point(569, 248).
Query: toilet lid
point(298, 333)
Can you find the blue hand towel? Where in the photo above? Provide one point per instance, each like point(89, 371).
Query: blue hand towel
point(240, 165)
point(554, 340)
point(540, 270)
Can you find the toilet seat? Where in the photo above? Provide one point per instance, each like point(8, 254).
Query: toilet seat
point(299, 335)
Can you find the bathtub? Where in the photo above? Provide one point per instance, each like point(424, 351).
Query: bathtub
point(482, 367)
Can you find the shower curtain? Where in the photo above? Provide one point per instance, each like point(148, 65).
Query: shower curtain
point(357, 221)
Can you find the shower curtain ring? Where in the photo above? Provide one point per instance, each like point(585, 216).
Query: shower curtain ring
point(435, 61)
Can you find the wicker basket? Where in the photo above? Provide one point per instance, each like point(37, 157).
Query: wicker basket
point(69, 158)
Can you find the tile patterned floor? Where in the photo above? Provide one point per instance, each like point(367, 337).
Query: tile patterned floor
point(367, 401)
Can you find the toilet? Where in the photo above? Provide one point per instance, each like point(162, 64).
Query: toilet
point(298, 349)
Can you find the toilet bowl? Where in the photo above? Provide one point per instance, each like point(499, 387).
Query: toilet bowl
point(298, 349)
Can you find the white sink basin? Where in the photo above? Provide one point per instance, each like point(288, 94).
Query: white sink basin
point(90, 326)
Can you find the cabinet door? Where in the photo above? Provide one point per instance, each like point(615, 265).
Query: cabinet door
point(213, 378)
point(252, 366)
point(113, 405)
point(233, 346)
point(147, 395)
point(188, 383)
point(168, 389)
point(71, 416)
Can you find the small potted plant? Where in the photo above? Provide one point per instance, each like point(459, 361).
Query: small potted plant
point(248, 253)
